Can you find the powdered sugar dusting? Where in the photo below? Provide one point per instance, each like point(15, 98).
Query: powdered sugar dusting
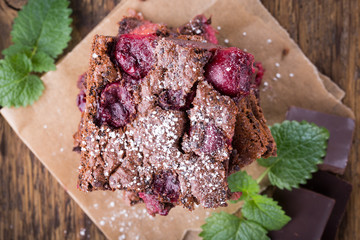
point(82, 231)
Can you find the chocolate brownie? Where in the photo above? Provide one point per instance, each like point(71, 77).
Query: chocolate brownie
point(168, 117)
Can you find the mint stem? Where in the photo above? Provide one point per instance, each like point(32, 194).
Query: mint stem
point(259, 179)
point(33, 52)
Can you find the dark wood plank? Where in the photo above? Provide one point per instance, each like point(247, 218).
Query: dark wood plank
point(34, 206)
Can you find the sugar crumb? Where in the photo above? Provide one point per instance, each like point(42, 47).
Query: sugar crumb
point(244, 33)
point(277, 65)
point(269, 41)
point(278, 75)
point(291, 75)
point(226, 40)
point(82, 232)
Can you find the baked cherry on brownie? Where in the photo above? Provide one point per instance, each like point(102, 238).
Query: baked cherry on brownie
point(259, 74)
point(135, 55)
point(166, 192)
point(154, 206)
point(136, 24)
point(230, 71)
point(81, 100)
point(200, 25)
point(213, 139)
point(116, 107)
point(81, 97)
point(167, 186)
point(174, 100)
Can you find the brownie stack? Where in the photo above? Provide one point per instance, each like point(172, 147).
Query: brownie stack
point(167, 115)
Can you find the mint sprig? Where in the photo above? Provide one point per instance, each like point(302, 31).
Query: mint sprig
point(227, 226)
point(301, 147)
point(259, 214)
point(40, 33)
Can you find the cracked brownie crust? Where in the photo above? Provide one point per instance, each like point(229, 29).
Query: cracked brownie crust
point(158, 127)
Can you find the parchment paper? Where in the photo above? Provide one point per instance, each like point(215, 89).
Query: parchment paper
point(48, 125)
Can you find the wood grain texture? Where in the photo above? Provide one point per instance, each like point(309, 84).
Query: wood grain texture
point(34, 206)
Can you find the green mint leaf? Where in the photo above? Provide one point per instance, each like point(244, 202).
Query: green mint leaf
point(43, 26)
point(17, 86)
point(265, 211)
point(224, 226)
point(40, 33)
point(41, 62)
point(19, 63)
point(249, 230)
point(242, 182)
point(16, 48)
point(300, 147)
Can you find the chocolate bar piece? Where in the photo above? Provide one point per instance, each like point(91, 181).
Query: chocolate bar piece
point(341, 131)
point(333, 187)
point(309, 212)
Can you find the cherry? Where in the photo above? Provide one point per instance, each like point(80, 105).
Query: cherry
point(209, 31)
point(116, 105)
point(167, 185)
point(81, 100)
point(81, 97)
point(134, 53)
point(153, 205)
point(175, 99)
point(259, 73)
point(230, 71)
point(235, 196)
point(213, 139)
point(81, 84)
point(201, 26)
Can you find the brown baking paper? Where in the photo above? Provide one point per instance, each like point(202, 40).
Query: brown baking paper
point(47, 126)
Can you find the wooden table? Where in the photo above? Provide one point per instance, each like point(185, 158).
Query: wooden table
point(34, 206)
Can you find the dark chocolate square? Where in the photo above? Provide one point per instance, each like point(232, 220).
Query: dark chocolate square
point(333, 187)
point(341, 131)
point(309, 212)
